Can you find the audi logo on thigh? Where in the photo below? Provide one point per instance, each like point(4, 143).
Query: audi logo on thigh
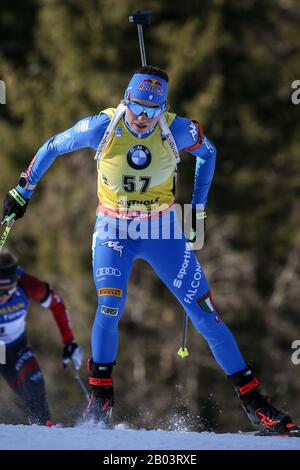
point(108, 271)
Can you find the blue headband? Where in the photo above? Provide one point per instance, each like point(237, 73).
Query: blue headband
point(148, 88)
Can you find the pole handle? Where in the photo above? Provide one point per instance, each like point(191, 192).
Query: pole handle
point(142, 17)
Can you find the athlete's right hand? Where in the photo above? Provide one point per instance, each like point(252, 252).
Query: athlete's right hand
point(196, 218)
point(14, 203)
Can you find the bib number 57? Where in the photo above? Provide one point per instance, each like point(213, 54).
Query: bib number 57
point(132, 183)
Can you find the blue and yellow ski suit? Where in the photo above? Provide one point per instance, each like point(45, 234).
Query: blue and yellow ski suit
point(136, 178)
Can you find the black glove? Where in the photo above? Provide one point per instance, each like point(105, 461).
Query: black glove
point(72, 353)
point(200, 215)
point(14, 203)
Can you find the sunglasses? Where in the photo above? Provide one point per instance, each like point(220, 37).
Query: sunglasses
point(150, 111)
point(10, 291)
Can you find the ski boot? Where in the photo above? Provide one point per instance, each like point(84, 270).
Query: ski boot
point(257, 407)
point(101, 400)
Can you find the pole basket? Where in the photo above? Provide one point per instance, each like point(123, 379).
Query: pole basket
point(183, 352)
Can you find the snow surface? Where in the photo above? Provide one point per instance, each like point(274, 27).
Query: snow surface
point(91, 437)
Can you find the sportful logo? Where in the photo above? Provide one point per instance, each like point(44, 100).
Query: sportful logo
point(116, 246)
point(183, 270)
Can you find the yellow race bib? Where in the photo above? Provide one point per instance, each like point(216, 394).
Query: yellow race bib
point(136, 174)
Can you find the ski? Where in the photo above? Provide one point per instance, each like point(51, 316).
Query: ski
point(295, 432)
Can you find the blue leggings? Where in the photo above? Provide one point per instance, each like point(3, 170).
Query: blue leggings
point(116, 245)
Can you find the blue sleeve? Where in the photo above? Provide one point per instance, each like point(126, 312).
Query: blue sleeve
point(204, 171)
point(86, 133)
point(186, 135)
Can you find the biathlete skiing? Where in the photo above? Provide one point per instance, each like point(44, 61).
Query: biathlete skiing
point(137, 148)
point(21, 369)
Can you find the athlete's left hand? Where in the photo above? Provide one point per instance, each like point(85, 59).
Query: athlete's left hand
point(72, 353)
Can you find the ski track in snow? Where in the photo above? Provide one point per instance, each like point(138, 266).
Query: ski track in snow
point(87, 437)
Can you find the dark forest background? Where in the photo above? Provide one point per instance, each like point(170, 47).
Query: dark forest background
point(231, 64)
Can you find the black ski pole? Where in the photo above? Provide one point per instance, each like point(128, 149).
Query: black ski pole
point(183, 350)
point(9, 221)
point(79, 380)
point(141, 18)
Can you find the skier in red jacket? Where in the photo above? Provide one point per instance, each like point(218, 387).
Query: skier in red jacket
point(21, 369)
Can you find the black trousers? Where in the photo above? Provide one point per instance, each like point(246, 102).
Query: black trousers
point(24, 375)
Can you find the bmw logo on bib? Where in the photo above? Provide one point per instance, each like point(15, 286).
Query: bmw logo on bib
point(139, 157)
